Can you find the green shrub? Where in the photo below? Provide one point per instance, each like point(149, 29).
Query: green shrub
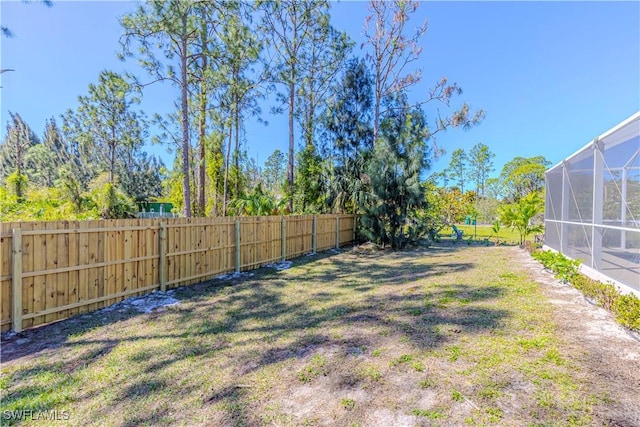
point(627, 311)
point(565, 269)
point(626, 308)
point(604, 293)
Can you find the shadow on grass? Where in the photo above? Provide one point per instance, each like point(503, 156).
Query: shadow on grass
point(264, 308)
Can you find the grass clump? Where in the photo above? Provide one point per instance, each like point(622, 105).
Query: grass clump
point(348, 404)
point(454, 353)
point(370, 371)
point(318, 366)
point(457, 396)
point(434, 414)
point(405, 358)
point(426, 383)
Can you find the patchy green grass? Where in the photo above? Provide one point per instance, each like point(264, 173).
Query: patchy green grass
point(453, 335)
point(482, 232)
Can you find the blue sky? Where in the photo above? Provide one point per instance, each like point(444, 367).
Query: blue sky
point(551, 76)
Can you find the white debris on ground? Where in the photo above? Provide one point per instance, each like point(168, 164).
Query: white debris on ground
point(284, 265)
point(158, 299)
point(234, 275)
point(145, 303)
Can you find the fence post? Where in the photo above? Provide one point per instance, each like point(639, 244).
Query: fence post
point(283, 238)
point(237, 246)
point(162, 250)
point(16, 280)
point(314, 239)
point(337, 232)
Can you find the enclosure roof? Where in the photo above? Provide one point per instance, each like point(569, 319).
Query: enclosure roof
point(620, 133)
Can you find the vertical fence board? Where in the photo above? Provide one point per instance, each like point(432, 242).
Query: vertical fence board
point(73, 255)
point(174, 270)
point(61, 260)
point(138, 249)
point(97, 245)
point(162, 258)
point(39, 245)
point(107, 247)
point(238, 241)
point(182, 243)
point(130, 251)
point(201, 234)
point(208, 266)
point(83, 259)
point(5, 275)
point(16, 280)
point(50, 246)
point(185, 244)
point(101, 257)
point(119, 244)
point(28, 284)
point(150, 244)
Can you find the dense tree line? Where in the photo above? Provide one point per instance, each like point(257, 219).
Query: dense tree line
point(357, 144)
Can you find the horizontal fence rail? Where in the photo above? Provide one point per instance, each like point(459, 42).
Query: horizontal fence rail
point(53, 270)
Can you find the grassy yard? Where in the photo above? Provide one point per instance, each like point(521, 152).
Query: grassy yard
point(451, 335)
point(481, 232)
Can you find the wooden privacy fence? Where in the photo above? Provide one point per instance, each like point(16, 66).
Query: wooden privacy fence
point(54, 270)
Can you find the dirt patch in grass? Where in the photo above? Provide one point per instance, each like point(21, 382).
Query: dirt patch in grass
point(450, 335)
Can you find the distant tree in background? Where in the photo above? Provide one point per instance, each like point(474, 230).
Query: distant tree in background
point(362, 146)
point(44, 160)
point(274, 173)
point(17, 142)
point(438, 211)
point(522, 176)
point(494, 188)
point(458, 171)
point(106, 122)
point(487, 209)
point(480, 166)
point(140, 176)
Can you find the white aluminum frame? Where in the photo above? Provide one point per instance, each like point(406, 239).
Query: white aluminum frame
point(625, 132)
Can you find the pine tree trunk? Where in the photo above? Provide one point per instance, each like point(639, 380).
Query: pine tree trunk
point(185, 121)
point(236, 120)
point(376, 114)
point(292, 93)
point(201, 139)
point(226, 174)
